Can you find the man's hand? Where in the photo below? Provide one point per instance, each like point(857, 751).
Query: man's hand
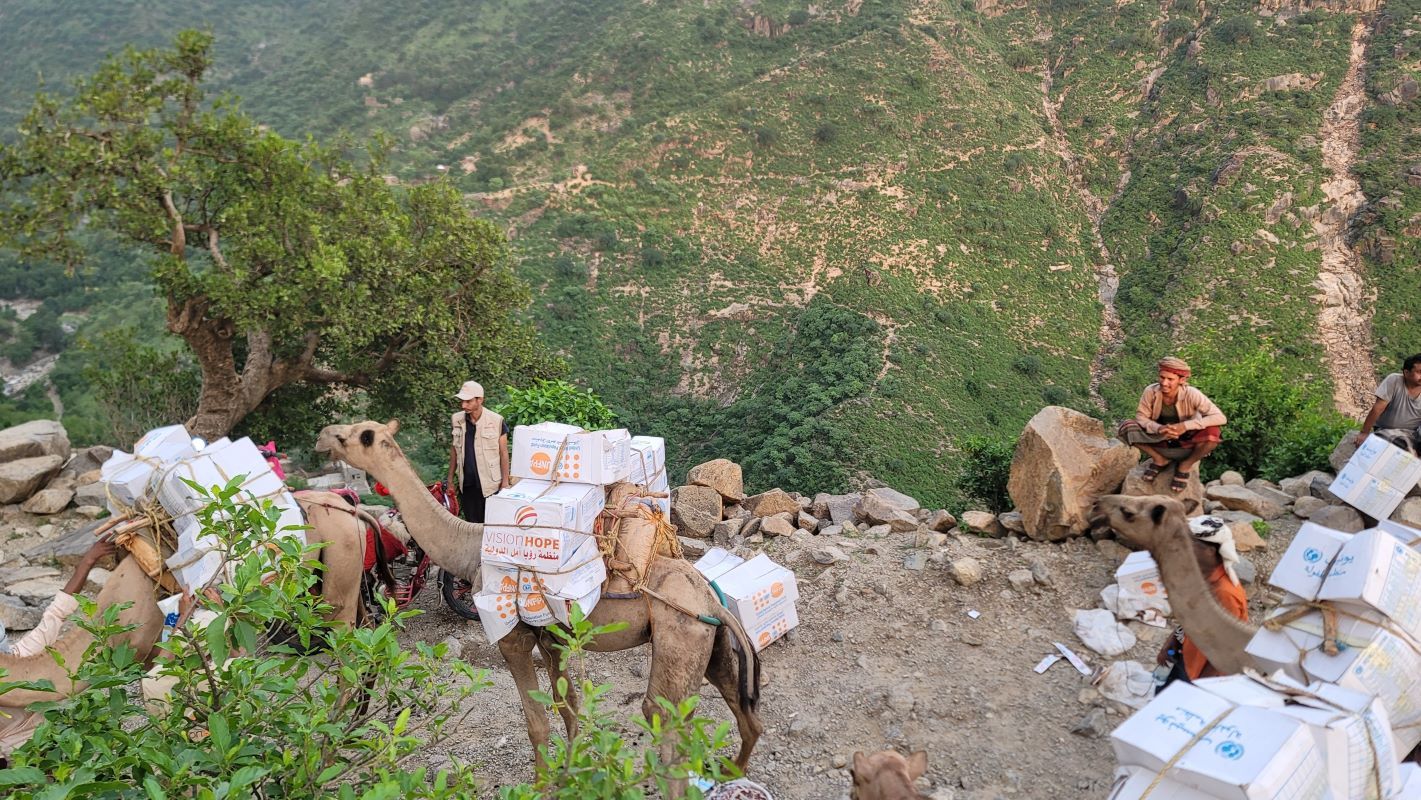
point(100, 550)
point(1173, 430)
point(504, 484)
point(1361, 437)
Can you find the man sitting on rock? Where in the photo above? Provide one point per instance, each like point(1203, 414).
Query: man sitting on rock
point(1396, 414)
point(1175, 422)
point(1215, 551)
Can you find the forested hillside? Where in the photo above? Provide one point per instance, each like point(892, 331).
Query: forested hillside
point(834, 240)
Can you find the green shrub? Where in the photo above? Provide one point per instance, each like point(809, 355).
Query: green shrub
point(251, 715)
point(826, 133)
point(556, 401)
point(982, 471)
point(1262, 528)
point(1030, 366)
point(1235, 30)
point(798, 17)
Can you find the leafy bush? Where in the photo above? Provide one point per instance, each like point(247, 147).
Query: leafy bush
point(1235, 30)
point(597, 761)
point(982, 471)
point(557, 401)
point(1277, 426)
point(251, 715)
point(826, 132)
point(1030, 366)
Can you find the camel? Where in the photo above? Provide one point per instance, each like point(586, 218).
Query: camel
point(1159, 525)
point(683, 648)
point(887, 775)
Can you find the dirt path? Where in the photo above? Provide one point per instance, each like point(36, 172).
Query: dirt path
point(1345, 319)
point(1111, 334)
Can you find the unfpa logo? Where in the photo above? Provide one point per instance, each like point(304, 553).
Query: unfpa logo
point(526, 517)
point(1149, 588)
point(540, 463)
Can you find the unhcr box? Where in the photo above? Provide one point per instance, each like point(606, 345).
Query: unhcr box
point(536, 524)
point(1222, 749)
point(552, 450)
point(761, 594)
point(1371, 568)
point(1377, 477)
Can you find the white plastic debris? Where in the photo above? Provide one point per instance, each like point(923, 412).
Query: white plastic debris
point(1100, 632)
point(1127, 682)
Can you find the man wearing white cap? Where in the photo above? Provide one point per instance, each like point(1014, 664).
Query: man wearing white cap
point(479, 455)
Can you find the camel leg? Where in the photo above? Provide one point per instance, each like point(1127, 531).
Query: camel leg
point(517, 649)
point(342, 559)
point(680, 651)
point(567, 703)
point(723, 672)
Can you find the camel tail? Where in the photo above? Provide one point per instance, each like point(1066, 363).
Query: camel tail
point(747, 659)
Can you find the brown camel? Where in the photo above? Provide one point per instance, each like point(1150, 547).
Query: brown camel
point(887, 775)
point(682, 647)
point(1159, 525)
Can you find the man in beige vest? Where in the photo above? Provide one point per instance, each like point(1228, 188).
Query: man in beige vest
point(478, 457)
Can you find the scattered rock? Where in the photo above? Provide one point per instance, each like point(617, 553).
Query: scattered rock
point(1246, 537)
point(1099, 630)
point(1064, 461)
point(23, 477)
point(1093, 725)
point(86, 460)
point(774, 501)
point(1230, 478)
point(41, 437)
point(875, 510)
point(894, 498)
point(454, 648)
point(1339, 518)
point(878, 531)
point(1408, 513)
point(966, 571)
point(735, 511)
point(1021, 579)
point(836, 507)
point(916, 561)
point(722, 475)
point(808, 521)
point(695, 510)
point(1301, 486)
point(1135, 485)
point(726, 530)
point(1269, 491)
point(1238, 498)
point(66, 549)
point(37, 591)
point(91, 494)
point(1321, 488)
point(901, 700)
point(1343, 452)
point(942, 521)
point(983, 522)
point(693, 549)
point(47, 501)
point(1305, 506)
point(832, 530)
point(1246, 571)
point(1039, 572)
point(828, 555)
point(16, 615)
point(776, 526)
point(1012, 521)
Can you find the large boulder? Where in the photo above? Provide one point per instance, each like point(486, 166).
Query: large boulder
point(1063, 462)
point(894, 498)
point(1238, 498)
point(722, 475)
point(48, 501)
point(1339, 518)
point(1192, 497)
point(1342, 453)
point(767, 504)
point(23, 477)
point(67, 549)
point(695, 510)
point(86, 460)
point(41, 437)
point(1408, 513)
point(876, 511)
point(1301, 486)
point(836, 507)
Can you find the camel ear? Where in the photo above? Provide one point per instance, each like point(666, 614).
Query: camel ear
point(917, 764)
point(860, 762)
point(1157, 513)
point(394, 426)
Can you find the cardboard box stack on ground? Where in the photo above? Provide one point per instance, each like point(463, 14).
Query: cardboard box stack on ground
point(1377, 477)
point(1241, 737)
point(759, 592)
point(1369, 581)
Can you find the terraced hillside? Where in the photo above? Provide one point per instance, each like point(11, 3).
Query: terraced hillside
point(831, 240)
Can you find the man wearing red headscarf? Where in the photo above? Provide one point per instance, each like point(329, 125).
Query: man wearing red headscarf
point(1175, 423)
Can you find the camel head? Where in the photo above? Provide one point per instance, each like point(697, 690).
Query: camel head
point(886, 775)
point(1145, 521)
point(364, 445)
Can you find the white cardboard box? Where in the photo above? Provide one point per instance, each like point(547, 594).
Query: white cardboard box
point(1376, 569)
point(126, 479)
point(1377, 477)
point(716, 562)
point(552, 449)
point(647, 456)
point(539, 525)
point(1139, 580)
point(1242, 752)
point(171, 443)
point(1131, 783)
point(512, 593)
point(1308, 559)
point(761, 594)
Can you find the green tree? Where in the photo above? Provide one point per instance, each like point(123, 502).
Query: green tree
point(280, 262)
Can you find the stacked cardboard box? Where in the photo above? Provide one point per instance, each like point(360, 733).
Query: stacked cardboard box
point(1247, 737)
point(1140, 585)
point(1377, 477)
point(539, 554)
point(759, 592)
point(1370, 581)
point(648, 470)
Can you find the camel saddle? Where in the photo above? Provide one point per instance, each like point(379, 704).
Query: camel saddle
point(632, 535)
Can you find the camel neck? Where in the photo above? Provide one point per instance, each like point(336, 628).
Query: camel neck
point(1219, 635)
point(452, 543)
